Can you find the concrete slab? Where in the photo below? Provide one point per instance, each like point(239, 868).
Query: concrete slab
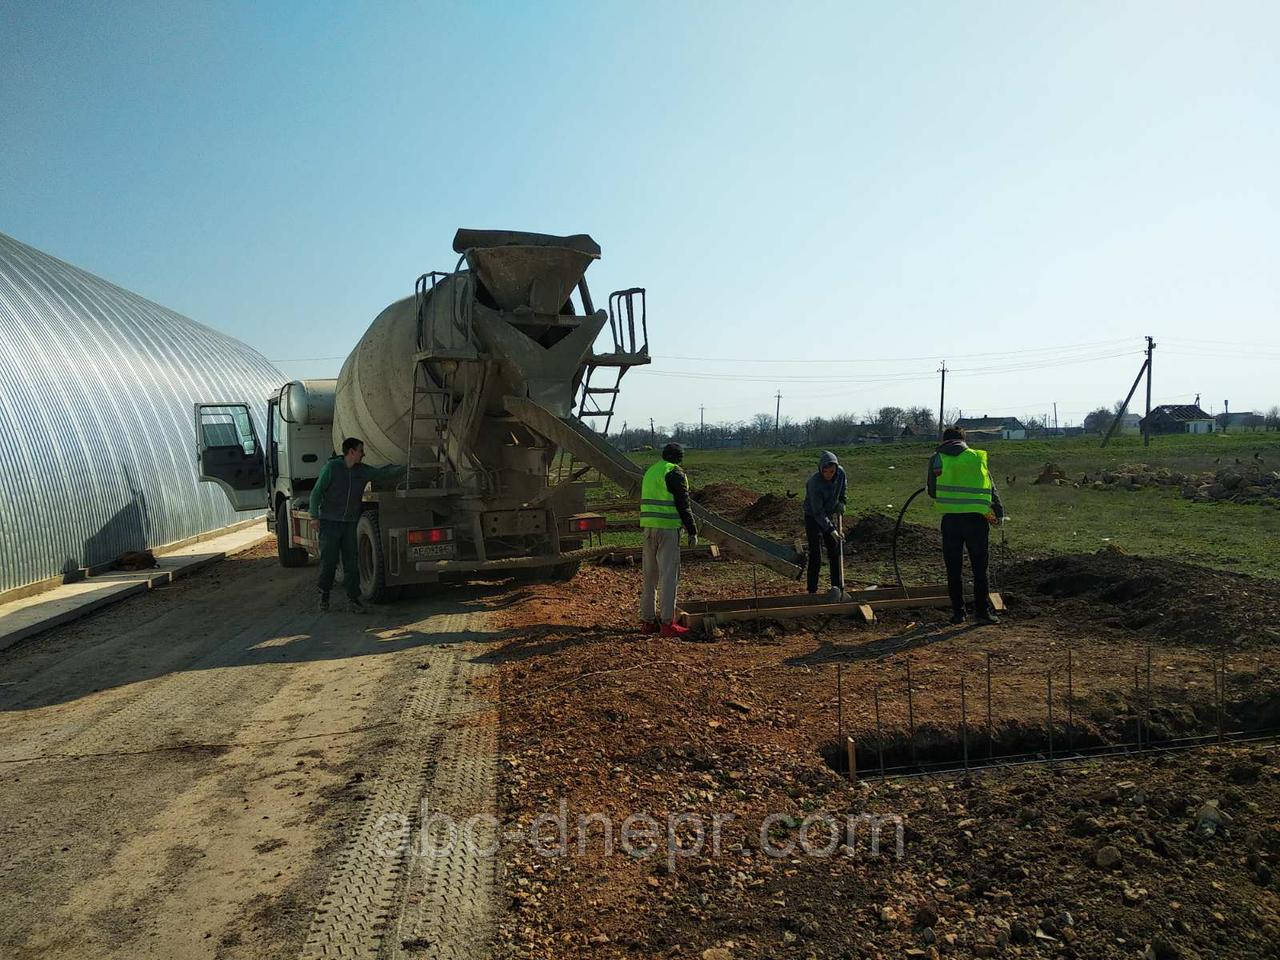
point(28, 616)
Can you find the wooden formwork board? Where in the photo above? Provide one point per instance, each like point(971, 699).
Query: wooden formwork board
point(860, 603)
point(701, 551)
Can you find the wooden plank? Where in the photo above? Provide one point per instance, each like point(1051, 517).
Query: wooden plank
point(805, 599)
point(703, 550)
point(747, 610)
point(778, 613)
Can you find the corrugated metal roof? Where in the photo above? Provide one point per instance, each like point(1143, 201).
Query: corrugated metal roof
point(97, 390)
point(990, 423)
point(1181, 411)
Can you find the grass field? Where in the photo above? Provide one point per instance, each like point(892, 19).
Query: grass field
point(1158, 522)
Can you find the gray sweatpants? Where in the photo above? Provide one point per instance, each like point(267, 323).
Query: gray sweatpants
point(661, 573)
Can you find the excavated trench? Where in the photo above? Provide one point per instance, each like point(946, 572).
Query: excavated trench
point(1097, 729)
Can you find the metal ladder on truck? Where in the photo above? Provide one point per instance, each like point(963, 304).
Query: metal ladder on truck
point(629, 350)
point(431, 408)
point(628, 324)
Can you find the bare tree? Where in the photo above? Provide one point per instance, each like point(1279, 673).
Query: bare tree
point(1273, 418)
point(1098, 420)
point(889, 421)
point(1036, 423)
point(921, 420)
point(762, 427)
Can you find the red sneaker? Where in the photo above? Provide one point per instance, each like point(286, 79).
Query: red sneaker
point(673, 629)
point(648, 626)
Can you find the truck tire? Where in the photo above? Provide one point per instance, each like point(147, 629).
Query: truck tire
point(563, 572)
point(373, 564)
point(554, 573)
point(290, 556)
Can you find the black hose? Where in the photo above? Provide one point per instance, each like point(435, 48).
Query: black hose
point(897, 530)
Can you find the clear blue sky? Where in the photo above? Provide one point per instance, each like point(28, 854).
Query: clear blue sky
point(1023, 189)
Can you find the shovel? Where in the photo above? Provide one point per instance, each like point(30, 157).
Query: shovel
point(840, 530)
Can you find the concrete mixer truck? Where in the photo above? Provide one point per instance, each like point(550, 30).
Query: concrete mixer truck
point(486, 386)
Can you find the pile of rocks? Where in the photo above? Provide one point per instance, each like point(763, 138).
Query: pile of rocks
point(1243, 483)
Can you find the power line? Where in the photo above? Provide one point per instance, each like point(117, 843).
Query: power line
point(900, 376)
point(962, 356)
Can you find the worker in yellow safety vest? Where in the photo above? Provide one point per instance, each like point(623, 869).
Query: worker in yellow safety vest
point(664, 509)
point(964, 495)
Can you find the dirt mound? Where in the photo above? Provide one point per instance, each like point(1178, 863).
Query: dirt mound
point(1163, 599)
point(770, 507)
point(728, 499)
point(1051, 474)
point(871, 534)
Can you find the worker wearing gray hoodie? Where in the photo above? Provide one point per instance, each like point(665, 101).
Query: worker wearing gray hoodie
point(824, 500)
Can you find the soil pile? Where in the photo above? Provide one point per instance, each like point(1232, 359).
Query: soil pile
point(771, 508)
point(871, 535)
point(727, 499)
point(1161, 598)
point(1051, 474)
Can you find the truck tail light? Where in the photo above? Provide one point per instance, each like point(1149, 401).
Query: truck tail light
point(433, 535)
point(586, 523)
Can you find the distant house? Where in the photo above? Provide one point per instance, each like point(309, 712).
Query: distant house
point(1179, 418)
point(1246, 420)
point(1005, 428)
point(983, 436)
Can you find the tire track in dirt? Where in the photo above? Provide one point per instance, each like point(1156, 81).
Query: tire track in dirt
point(157, 846)
point(368, 887)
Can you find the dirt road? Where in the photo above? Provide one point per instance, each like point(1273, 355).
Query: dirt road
point(216, 770)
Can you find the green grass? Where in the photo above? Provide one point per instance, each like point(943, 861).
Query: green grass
point(1047, 518)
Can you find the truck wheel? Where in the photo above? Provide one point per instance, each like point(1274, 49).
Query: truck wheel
point(562, 572)
point(373, 565)
point(290, 556)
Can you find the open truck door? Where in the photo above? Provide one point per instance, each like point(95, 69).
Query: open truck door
point(229, 454)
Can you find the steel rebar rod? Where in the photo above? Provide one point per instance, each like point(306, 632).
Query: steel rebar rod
point(964, 724)
point(879, 731)
point(1049, 699)
point(1137, 713)
point(911, 713)
point(991, 742)
point(1222, 694)
point(1146, 702)
point(1071, 731)
point(839, 702)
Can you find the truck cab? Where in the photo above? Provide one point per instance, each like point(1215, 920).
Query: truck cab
point(276, 475)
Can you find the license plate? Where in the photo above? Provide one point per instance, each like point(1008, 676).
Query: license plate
point(431, 551)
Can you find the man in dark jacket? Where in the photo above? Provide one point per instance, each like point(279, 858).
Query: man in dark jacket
point(335, 503)
point(964, 494)
point(824, 501)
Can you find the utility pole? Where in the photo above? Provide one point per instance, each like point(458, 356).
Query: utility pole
point(1146, 420)
point(652, 436)
point(777, 419)
point(1146, 425)
point(942, 398)
point(702, 428)
point(1055, 416)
